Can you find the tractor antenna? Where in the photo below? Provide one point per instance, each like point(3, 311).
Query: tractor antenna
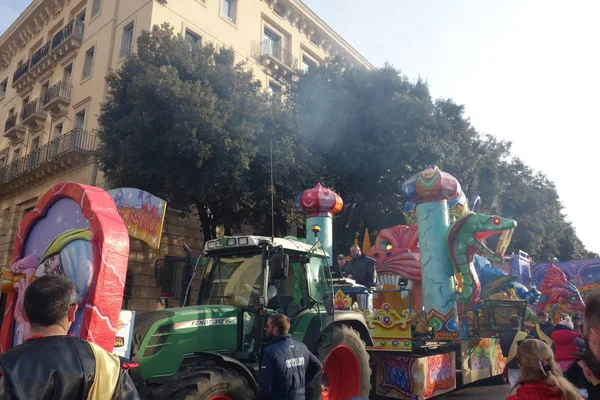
point(272, 196)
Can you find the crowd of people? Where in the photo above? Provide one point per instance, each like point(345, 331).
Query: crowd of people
point(559, 361)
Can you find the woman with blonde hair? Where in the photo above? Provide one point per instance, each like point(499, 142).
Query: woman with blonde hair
point(541, 377)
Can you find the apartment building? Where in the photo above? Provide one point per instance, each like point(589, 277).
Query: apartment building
point(53, 62)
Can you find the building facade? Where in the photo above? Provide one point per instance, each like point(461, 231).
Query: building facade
point(53, 63)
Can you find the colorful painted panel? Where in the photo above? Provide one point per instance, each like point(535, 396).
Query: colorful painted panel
point(389, 328)
point(481, 359)
point(400, 377)
point(74, 230)
point(583, 274)
point(142, 213)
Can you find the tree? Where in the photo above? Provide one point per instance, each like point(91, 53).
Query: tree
point(372, 130)
point(188, 124)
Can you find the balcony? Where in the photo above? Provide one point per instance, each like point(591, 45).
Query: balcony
point(20, 72)
point(34, 117)
point(57, 98)
point(64, 43)
point(12, 130)
point(60, 155)
point(41, 62)
point(67, 40)
point(275, 58)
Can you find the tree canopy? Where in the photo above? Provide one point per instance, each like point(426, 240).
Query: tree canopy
point(187, 123)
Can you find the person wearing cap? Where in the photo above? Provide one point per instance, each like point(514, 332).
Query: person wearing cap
point(338, 271)
point(543, 330)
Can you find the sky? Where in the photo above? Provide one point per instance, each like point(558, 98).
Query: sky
point(527, 71)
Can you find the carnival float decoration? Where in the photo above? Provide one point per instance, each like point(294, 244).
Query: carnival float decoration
point(74, 230)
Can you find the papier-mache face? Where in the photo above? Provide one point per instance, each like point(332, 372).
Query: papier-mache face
point(75, 231)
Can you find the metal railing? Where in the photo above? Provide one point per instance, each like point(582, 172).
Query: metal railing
point(73, 29)
point(40, 55)
point(31, 108)
point(269, 48)
point(60, 90)
point(21, 71)
point(11, 122)
point(77, 139)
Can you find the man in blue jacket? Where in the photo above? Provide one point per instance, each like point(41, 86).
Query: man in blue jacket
point(287, 366)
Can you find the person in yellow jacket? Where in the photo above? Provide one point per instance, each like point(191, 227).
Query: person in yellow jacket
point(543, 330)
point(50, 364)
point(509, 343)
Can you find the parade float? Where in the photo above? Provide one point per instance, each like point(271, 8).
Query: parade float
point(441, 302)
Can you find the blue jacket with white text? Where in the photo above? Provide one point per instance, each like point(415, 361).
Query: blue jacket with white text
point(286, 369)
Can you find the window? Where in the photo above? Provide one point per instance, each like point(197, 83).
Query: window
point(2, 161)
point(11, 112)
point(68, 73)
point(308, 64)
point(58, 128)
point(96, 4)
point(16, 154)
point(43, 92)
point(274, 91)
point(192, 37)
point(271, 43)
point(35, 144)
point(127, 40)
point(3, 87)
point(88, 64)
point(81, 16)
point(25, 102)
point(228, 9)
point(79, 119)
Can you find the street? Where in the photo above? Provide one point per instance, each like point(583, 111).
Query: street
point(491, 392)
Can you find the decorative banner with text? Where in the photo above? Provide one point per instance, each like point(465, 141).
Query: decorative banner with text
point(142, 213)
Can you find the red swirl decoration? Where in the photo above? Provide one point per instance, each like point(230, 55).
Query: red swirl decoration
point(440, 375)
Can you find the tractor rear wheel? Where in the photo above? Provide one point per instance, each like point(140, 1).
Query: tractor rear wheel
point(215, 383)
point(346, 369)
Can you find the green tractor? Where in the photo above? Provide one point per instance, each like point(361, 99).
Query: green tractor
point(212, 351)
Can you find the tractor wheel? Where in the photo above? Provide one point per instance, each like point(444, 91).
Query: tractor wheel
point(216, 384)
point(346, 369)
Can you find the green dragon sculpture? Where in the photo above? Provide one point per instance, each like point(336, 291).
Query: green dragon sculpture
point(466, 238)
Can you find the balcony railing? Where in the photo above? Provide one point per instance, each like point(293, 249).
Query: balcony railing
point(59, 91)
point(33, 108)
point(21, 71)
point(40, 55)
point(75, 140)
point(72, 29)
point(11, 122)
point(273, 50)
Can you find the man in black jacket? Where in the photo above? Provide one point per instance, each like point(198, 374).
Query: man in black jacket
point(509, 343)
point(52, 365)
point(361, 268)
point(287, 366)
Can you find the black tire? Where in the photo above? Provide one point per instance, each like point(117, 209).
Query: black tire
point(344, 335)
point(212, 382)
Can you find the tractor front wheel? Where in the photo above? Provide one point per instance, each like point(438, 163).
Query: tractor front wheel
point(346, 369)
point(216, 383)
